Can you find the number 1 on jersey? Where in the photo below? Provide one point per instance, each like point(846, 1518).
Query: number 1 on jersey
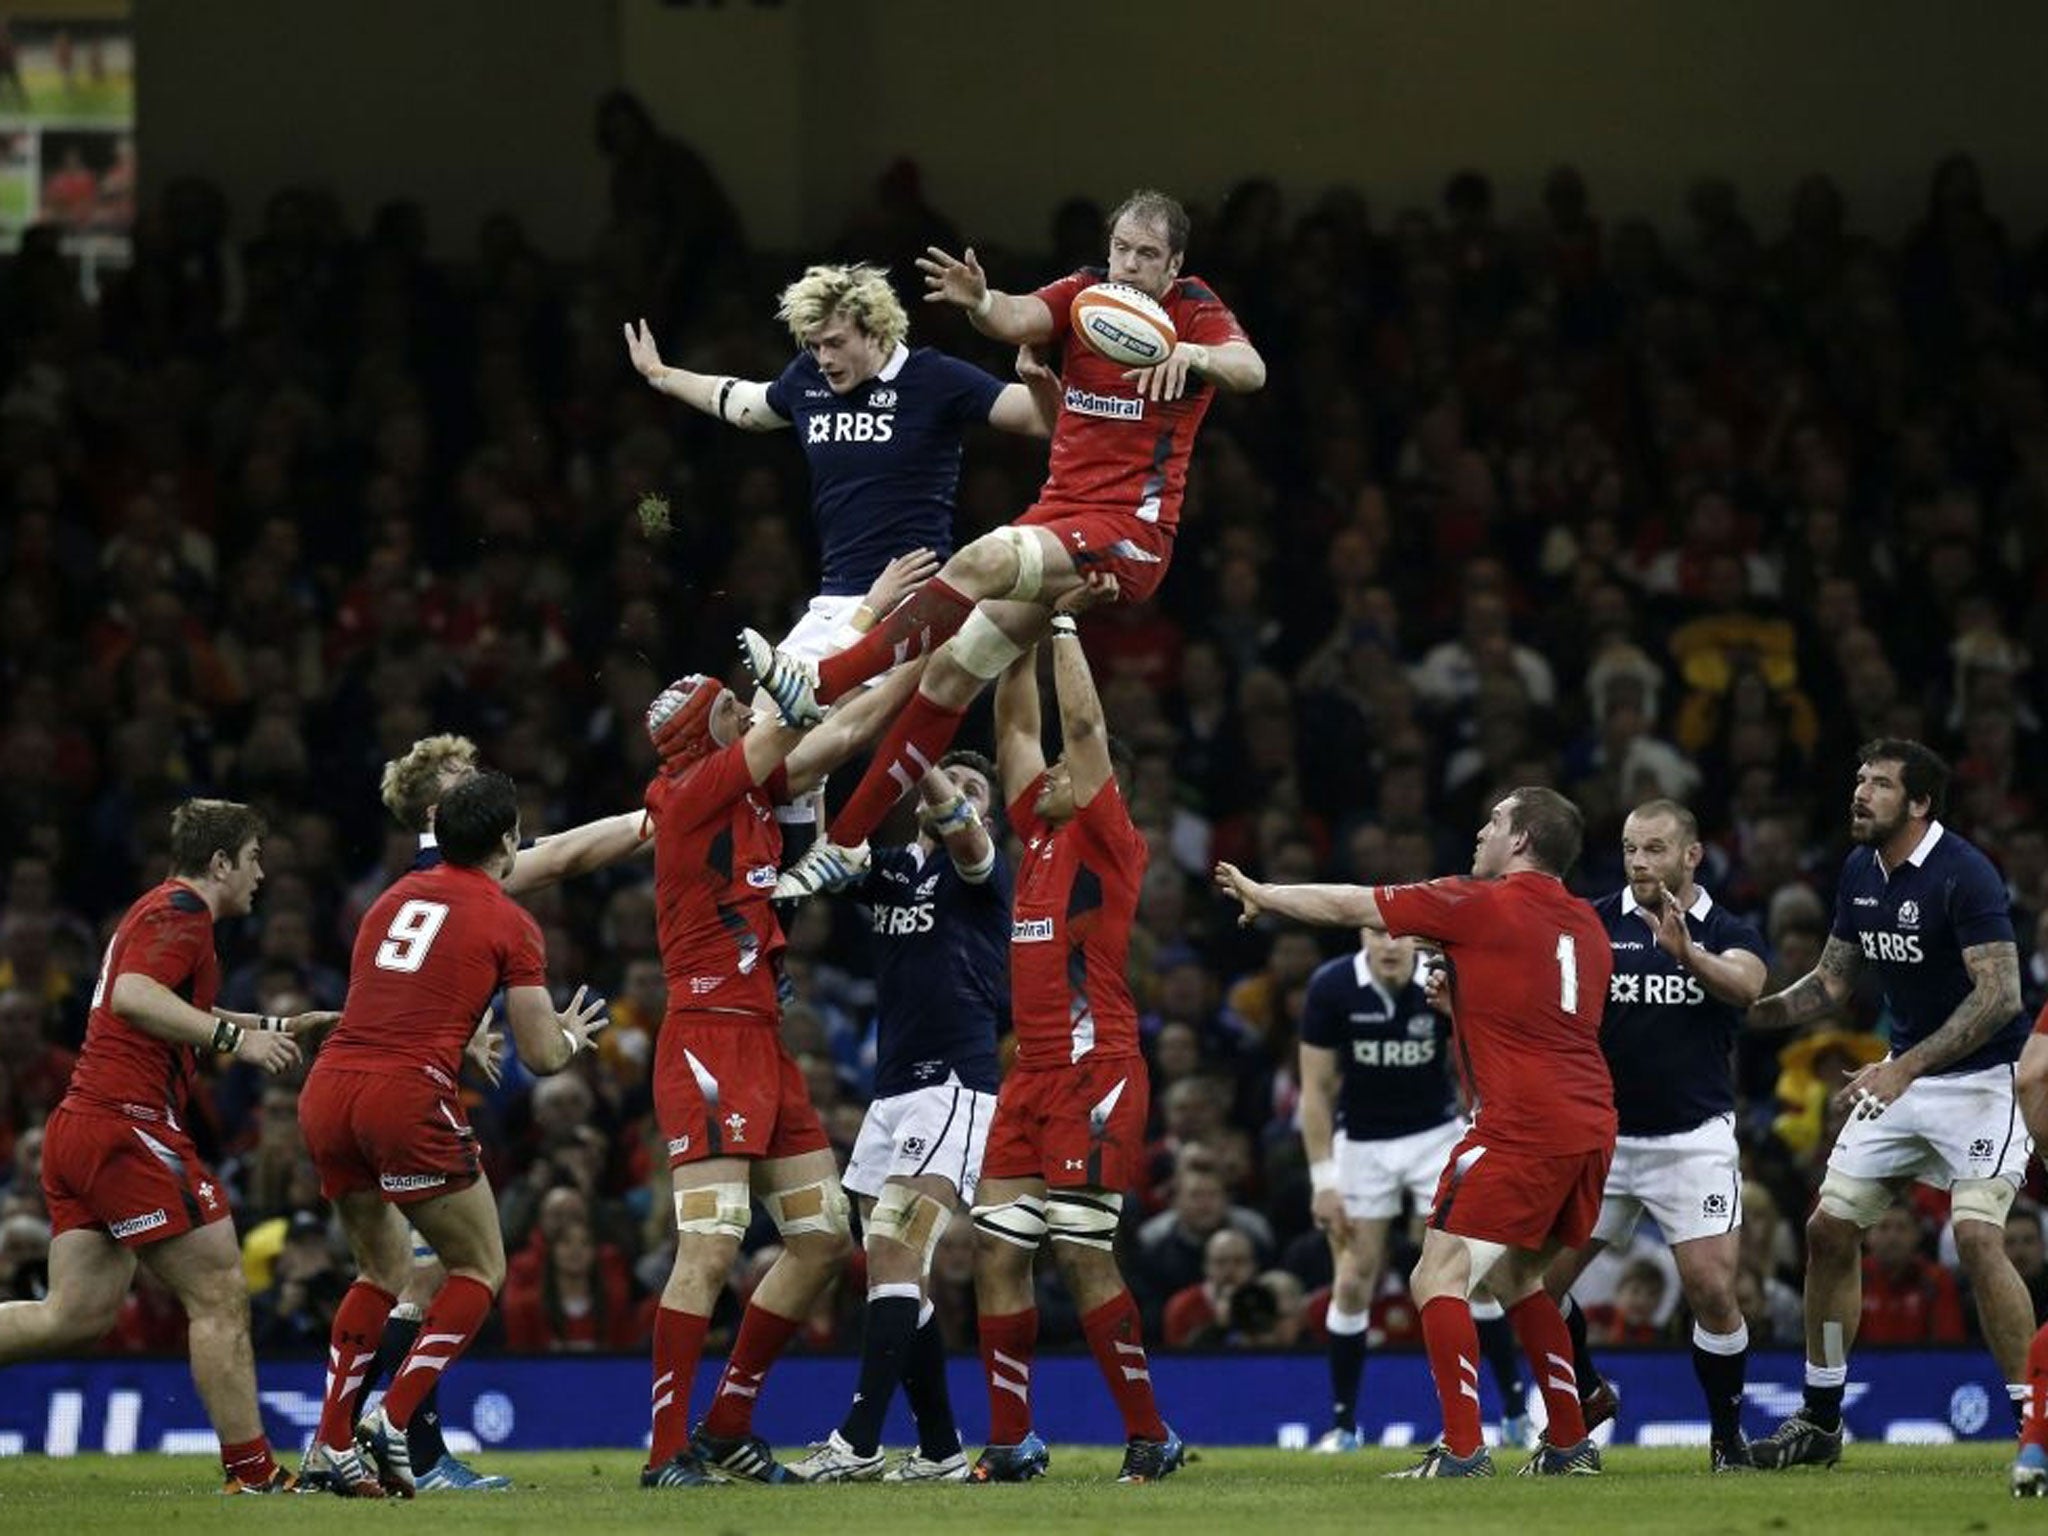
point(411, 935)
point(1568, 973)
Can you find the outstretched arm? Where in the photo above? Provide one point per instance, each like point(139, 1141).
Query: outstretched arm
point(1821, 990)
point(949, 816)
point(738, 402)
point(1234, 367)
point(848, 729)
point(578, 851)
point(1020, 743)
point(1324, 906)
point(959, 280)
point(1082, 728)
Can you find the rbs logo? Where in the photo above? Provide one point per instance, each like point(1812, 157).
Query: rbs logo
point(1898, 948)
point(895, 921)
point(1655, 988)
point(1393, 1053)
point(851, 427)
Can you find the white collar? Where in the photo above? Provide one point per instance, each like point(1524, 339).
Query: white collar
point(1920, 850)
point(428, 840)
point(1702, 903)
point(1361, 968)
point(895, 364)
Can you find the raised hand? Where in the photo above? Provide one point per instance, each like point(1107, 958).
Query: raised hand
point(646, 356)
point(581, 1021)
point(899, 578)
point(1240, 888)
point(952, 279)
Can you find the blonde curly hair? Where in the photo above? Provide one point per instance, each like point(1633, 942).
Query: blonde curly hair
point(413, 784)
point(859, 291)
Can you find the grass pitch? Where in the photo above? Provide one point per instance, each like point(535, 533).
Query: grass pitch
point(1878, 1488)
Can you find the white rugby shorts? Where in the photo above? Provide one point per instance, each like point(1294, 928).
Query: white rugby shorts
point(939, 1131)
point(1371, 1174)
point(1689, 1182)
point(1939, 1131)
point(825, 627)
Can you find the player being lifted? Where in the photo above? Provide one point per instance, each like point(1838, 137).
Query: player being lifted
point(1069, 1131)
point(1379, 1116)
point(1929, 914)
point(121, 1177)
point(383, 1118)
point(941, 917)
point(1529, 967)
point(730, 1099)
point(411, 790)
point(881, 425)
point(1684, 972)
point(1110, 505)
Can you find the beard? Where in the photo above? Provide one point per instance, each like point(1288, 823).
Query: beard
point(1873, 829)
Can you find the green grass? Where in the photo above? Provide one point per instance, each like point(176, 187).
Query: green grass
point(17, 197)
point(1878, 1488)
point(110, 101)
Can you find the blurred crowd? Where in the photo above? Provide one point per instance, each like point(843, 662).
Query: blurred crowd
point(1533, 496)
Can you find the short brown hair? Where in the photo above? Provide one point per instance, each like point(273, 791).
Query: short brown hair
point(1556, 829)
point(1156, 208)
point(1688, 824)
point(202, 828)
point(413, 783)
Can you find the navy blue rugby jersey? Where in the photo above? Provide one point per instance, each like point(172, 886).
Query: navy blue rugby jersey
point(1669, 1042)
point(942, 969)
point(1912, 924)
point(1392, 1048)
point(885, 457)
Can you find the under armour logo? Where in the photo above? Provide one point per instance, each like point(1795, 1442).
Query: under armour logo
point(1075, 1165)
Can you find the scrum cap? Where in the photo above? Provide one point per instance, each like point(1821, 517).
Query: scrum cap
point(679, 719)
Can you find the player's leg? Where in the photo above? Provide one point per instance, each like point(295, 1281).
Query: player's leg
point(89, 1278)
point(1849, 1205)
point(436, 1468)
point(1082, 1224)
point(1358, 1256)
point(1009, 1225)
point(462, 1228)
point(1978, 1208)
point(901, 1229)
point(713, 1209)
point(1442, 1280)
point(202, 1267)
point(1707, 1267)
point(996, 635)
point(803, 1198)
point(1621, 1212)
point(381, 1245)
point(1025, 565)
point(822, 630)
point(1562, 1275)
point(1517, 1281)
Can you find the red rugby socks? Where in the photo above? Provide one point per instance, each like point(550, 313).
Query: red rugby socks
point(916, 626)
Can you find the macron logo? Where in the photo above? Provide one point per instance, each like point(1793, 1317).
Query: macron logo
point(1031, 930)
point(1085, 402)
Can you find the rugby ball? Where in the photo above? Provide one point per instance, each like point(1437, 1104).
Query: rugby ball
point(1124, 324)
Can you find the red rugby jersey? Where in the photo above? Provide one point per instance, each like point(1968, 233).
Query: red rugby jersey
point(1112, 449)
point(167, 936)
point(1529, 967)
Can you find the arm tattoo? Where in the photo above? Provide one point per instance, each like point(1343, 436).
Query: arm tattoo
point(1993, 998)
point(1818, 992)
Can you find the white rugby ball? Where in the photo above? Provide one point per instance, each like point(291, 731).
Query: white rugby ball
point(1124, 324)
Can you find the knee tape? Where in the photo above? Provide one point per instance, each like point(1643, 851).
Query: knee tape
point(1019, 1222)
point(912, 1218)
point(1087, 1217)
point(1861, 1201)
point(1030, 562)
point(714, 1210)
point(1982, 1200)
point(815, 1207)
point(982, 649)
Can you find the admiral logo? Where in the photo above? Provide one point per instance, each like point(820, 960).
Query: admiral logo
point(678, 1146)
point(437, 1075)
point(149, 1221)
point(141, 1112)
point(1031, 930)
point(1085, 402)
point(1120, 337)
point(762, 877)
point(699, 985)
point(398, 1183)
point(1909, 914)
